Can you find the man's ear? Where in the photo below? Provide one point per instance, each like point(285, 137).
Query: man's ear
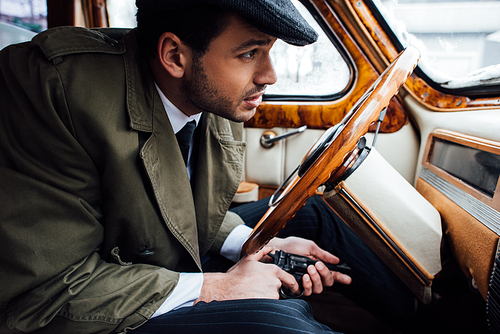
point(173, 54)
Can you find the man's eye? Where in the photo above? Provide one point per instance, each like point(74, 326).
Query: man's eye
point(249, 54)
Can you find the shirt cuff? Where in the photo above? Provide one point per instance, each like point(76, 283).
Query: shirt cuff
point(186, 292)
point(231, 248)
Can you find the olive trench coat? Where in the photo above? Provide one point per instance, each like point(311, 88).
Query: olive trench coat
point(97, 214)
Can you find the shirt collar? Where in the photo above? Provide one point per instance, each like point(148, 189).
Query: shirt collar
point(177, 118)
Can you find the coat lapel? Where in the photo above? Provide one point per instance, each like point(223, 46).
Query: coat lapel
point(160, 153)
point(168, 176)
point(218, 170)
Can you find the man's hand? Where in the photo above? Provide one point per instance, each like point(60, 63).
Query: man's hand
point(318, 276)
point(249, 278)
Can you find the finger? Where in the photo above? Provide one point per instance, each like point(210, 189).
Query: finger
point(265, 256)
point(317, 284)
point(314, 251)
point(307, 285)
point(289, 281)
point(341, 278)
point(325, 274)
point(322, 255)
point(261, 253)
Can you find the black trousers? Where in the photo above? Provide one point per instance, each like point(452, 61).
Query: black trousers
point(373, 286)
point(238, 316)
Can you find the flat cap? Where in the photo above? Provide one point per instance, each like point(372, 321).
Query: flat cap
point(278, 18)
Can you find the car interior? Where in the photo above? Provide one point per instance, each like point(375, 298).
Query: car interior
point(393, 116)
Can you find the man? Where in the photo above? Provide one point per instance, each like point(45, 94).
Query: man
point(104, 226)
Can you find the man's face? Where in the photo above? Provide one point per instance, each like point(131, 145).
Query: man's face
point(231, 77)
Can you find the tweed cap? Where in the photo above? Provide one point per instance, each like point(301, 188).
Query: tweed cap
point(278, 18)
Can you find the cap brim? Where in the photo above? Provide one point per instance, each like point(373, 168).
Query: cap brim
point(279, 18)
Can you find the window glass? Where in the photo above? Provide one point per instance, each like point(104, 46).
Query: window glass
point(28, 14)
point(313, 70)
point(121, 13)
point(476, 167)
point(459, 40)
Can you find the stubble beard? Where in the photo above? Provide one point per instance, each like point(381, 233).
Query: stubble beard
point(202, 93)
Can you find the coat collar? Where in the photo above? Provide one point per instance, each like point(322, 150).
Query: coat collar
point(140, 86)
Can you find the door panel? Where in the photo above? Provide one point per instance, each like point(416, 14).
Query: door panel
point(478, 123)
point(470, 224)
point(270, 167)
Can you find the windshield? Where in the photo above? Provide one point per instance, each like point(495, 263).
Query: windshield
point(459, 40)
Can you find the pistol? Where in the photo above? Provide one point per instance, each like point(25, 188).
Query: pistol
point(296, 265)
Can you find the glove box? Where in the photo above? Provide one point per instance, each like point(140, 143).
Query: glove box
point(391, 216)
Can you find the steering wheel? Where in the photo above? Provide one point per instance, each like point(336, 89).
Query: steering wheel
point(333, 152)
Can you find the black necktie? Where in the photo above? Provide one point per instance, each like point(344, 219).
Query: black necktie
point(184, 138)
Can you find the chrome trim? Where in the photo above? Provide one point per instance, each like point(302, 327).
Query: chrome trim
point(488, 216)
point(493, 300)
point(269, 138)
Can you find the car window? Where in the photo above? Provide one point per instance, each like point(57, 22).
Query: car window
point(121, 13)
point(459, 40)
point(10, 34)
point(313, 70)
point(27, 14)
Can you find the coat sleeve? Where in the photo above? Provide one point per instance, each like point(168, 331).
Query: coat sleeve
point(51, 273)
point(230, 222)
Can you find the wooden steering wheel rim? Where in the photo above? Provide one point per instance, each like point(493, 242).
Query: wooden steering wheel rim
point(330, 151)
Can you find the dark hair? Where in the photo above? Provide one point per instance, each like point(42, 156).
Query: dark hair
point(196, 27)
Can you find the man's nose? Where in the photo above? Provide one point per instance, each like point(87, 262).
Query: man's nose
point(266, 74)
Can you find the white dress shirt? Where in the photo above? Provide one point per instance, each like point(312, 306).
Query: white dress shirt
point(188, 288)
